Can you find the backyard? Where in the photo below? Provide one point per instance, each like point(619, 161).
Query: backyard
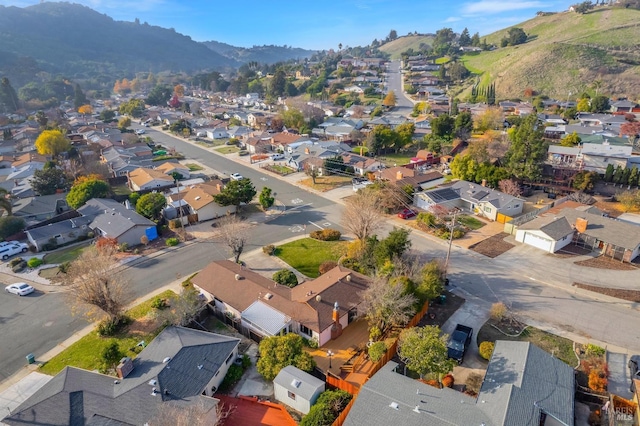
point(306, 255)
point(86, 352)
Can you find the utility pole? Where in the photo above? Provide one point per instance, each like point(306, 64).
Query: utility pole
point(446, 262)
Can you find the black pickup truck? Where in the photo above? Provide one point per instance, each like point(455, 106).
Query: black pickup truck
point(459, 342)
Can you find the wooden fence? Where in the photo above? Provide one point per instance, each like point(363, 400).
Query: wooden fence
point(337, 382)
point(343, 416)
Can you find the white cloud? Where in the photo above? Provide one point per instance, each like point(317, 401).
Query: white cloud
point(452, 19)
point(489, 7)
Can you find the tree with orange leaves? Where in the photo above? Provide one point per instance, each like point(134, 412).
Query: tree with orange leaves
point(85, 109)
point(178, 90)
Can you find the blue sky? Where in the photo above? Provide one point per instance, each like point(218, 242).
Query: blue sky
point(316, 24)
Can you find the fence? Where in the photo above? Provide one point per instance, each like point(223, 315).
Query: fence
point(511, 226)
point(343, 416)
point(337, 382)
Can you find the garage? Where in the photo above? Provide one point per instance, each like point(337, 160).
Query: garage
point(538, 242)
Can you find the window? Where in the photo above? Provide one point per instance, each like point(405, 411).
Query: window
point(516, 206)
point(291, 395)
point(229, 359)
point(305, 330)
point(487, 209)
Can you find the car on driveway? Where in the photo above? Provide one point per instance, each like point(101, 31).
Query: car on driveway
point(236, 176)
point(407, 214)
point(10, 249)
point(21, 289)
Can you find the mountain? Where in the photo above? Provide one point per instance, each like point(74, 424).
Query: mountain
point(80, 43)
point(565, 54)
point(404, 43)
point(262, 54)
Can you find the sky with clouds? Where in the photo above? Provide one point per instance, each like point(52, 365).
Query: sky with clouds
point(316, 25)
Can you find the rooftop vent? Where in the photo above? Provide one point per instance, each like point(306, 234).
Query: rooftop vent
point(296, 383)
point(197, 198)
point(238, 277)
point(154, 392)
point(318, 298)
point(152, 382)
point(200, 366)
point(268, 296)
point(166, 360)
point(349, 277)
point(394, 405)
point(116, 382)
point(416, 409)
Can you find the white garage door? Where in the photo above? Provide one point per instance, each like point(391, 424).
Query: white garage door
point(538, 242)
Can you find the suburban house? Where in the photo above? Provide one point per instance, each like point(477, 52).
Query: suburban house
point(169, 168)
point(56, 234)
point(471, 197)
point(143, 178)
point(121, 160)
point(199, 199)
point(402, 176)
point(523, 386)
point(319, 309)
point(111, 219)
point(297, 389)
point(180, 366)
point(589, 229)
point(361, 165)
point(36, 209)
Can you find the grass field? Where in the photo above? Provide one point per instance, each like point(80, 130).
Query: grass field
point(306, 255)
point(86, 352)
point(65, 255)
point(121, 190)
point(228, 149)
point(470, 222)
point(396, 159)
point(194, 167)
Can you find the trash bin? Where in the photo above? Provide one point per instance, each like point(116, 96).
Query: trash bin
point(442, 299)
point(31, 358)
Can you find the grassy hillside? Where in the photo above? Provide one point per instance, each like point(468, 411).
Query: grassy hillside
point(399, 45)
point(567, 52)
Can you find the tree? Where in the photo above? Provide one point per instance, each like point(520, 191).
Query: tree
point(234, 234)
point(571, 140)
point(150, 205)
point(442, 126)
point(94, 287)
point(5, 201)
point(285, 277)
point(85, 109)
point(390, 99)
point(464, 167)
point(361, 215)
point(312, 172)
point(235, 193)
point(123, 123)
point(515, 36)
point(334, 164)
point(266, 199)
point(41, 119)
point(630, 200)
point(464, 39)
point(278, 83)
point(394, 246)
point(107, 115)
point(585, 181)
point(600, 104)
point(86, 189)
point(178, 90)
point(49, 181)
point(52, 142)
point(111, 355)
point(385, 305)
point(583, 7)
point(79, 98)
point(510, 187)
point(463, 125)
point(424, 351)
point(527, 151)
point(133, 107)
point(183, 309)
point(617, 175)
point(490, 119)
point(393, 34)
point(159, 95)
point(430, 282)
point(8, 98)
point(293, 119)
point(277, 352)
point(608, 174)
point(633, 176)
point(11, 225)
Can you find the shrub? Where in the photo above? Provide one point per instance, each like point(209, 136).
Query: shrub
point(159, 303)
point(19, 267)
point(448, 381)
point(327, 408)
point(486, 349)
point(595, 350)
point(10, 225)
point(327, 266)
point(243, 152)
point(473, 383)
point(326, 235)
point(14, 262)
point(64, 267)
point(270, 249)
point(123, 247)
point(110, 327)
point(597, 380)
point(173, 241)
point(144, 240)
point(285, 277)
point(374, 333)
point(234, 374)
point(34, 262)
point(377, 351)
point(498, 311)
point(311, 343)
point(246, 361)
point(427, 219)
point(175, 224)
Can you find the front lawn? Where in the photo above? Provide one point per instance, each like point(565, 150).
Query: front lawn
point(65, 255)
point(470, 222)
point(327, 183)
point(228, 149)
point(194, 167)
point(86, 352)
point(306, 255)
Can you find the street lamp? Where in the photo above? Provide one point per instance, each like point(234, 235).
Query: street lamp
point(330, 354)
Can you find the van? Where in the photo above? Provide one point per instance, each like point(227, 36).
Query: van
point(276, 157)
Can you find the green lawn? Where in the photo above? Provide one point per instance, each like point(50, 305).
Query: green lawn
point(443, 60)
point(360, 150)
point(65, 255)
point(470, 222)
point(121, 190)
point(306, 255)
point(86, 352)
point(228, 149)
point(194, 167)
point(396, 159)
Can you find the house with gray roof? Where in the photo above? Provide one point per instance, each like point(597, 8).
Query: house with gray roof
point(546, 233)
point(523, 386)
point(297, 389)
point(180, 366)
point(471, 197)
point(60, 233)
point(111, 219)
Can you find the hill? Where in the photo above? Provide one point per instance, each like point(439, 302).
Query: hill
point(81, 43)
point(401, 44)
point(566, 52)
point(262, 54)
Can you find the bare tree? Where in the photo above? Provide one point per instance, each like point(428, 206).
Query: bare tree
point(184, 309)
point(510, 187)
point(93, 285)
point(386, 305)
point(582, 197)
point(234, 233)
point(197, 414)
point(362, 215)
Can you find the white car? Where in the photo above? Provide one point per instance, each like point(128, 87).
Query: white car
point(9, 250)
point(236, 176)
point(21, 289)
point(140, 132)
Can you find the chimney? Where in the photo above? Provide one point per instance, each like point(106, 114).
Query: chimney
point(484, 182)
point(335, 314)
point(581, 225)
point(218, 187)
point(399, 175)
point(125, 367)
point(306, 151)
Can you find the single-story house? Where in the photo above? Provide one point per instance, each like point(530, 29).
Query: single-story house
point(546, 233)
point(297, 389)
point(319, 309)
point(402, 176)
point(111, 219)
point(479, 199)
point(169, 168)
point(59, 233)
point(143, 178)
point(200, 200)
point(523, 386)
point(217, 133)
point(180, 366)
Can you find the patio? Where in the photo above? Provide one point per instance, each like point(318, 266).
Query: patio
point(344, 348)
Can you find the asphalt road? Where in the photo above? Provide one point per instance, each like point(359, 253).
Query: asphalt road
point(394, 82)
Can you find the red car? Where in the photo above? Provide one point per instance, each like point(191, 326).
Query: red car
point(406, 214)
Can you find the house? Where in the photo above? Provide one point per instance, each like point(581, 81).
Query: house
point(546, 233)
point(52, 235)
point(297, 389)
point(170, 168)
point(319, 309)
point(36, 209)
point(180, 366)
point(143, 178)
point(201, 202)
point(111, 219)
point(361, 165)
point(472, 197)
point(217, 133)
point(523, 386)
point(403, 176)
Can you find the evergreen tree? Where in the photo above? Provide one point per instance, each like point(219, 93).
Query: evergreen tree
point(475, 40)
point(464, 39)
point(617, 175)
point(491, 94)
point(608, 174)
point(79, 98)
point(528, 149)
point(8, 97)
point(626, 174)
point(633, 177)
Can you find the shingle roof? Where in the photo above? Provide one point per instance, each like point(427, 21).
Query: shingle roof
point(307, 385)
point(622, 234)
point(112, 217)
point(141, 176)
point(555, 227)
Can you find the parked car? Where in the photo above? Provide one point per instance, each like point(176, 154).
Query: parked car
point(11, 249)
point(407, 214)
point(459, 342)
point(236, 176)
point(21, 289)
point(276, 157)
point(140, 132)
point(634, 369)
